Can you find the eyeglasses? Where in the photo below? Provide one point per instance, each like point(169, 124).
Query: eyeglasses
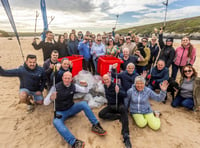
point(153, 39)
point(99, 40)
point(144, 41)
point(128, 38)
point(187, 71)
point(80, 34)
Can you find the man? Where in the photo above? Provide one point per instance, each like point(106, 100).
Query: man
point(48, 45)
point(159, 74)
point(130, 45)
point(49, 66)
point(84, 50)
point(116, 110)
point(32, 81)
point(127, 58)
point(65, 108)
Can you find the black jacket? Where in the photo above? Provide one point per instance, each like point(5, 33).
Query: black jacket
point(33, 80)
point(65, 95)
point(47, 48)
point(167, 52)
point(111, 94)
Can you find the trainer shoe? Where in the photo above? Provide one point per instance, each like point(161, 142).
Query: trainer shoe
point(30, 108)
point(97, 129)
point(78, 144)
point(127, 143)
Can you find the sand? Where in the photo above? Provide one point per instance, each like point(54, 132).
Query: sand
point(180, 128)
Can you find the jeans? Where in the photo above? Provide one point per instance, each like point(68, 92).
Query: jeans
point(185, 102)
point(175, 70)
point(35, 97)
point(110, 113)
point(76, 108)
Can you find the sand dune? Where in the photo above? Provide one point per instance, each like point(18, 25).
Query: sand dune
point(179, 128)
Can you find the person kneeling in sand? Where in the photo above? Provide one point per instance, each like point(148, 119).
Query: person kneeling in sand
point(115, 109)
point(137, 101)
point(65, 108)
point(32, 81)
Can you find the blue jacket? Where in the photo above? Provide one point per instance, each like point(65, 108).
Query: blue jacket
point(127, 80)
point(159, 75)
point(84, 50)
point(138, 102)
point(33, 80)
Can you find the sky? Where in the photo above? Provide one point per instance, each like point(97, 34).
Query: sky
point(97, 16)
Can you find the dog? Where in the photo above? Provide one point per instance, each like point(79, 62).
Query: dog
point(173, 86)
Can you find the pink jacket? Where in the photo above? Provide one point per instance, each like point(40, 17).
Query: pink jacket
point(181, 58)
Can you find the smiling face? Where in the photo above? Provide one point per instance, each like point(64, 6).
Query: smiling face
point(130, 68)
point(139, 85)
point(188, 72)
point(185, 41)
point(31, 63)
point(67, 78)
point(107, 80)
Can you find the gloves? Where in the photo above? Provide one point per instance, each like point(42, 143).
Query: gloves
point(149, 76)
point(153, 82)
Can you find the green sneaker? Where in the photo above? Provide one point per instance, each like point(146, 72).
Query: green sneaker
point(97, 129)
point(78, 144)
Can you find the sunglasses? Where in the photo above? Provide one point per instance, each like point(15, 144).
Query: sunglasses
point(128, 38)
point(187, 71)
point(144, 41)
point(99, 40)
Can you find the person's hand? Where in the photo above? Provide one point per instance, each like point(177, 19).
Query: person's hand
point(161, 30)
point(38, 93)
point(175, 89)
point(70, 64)
point(114, 66)
point(144, 74)
point(58, 65)
point(137, 52)
point(51, 66)
point(117, 89)
point(164, 85)
point(53, 96)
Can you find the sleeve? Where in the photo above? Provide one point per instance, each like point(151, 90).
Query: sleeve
point(160, 40)
point(46, 68)
point(10, 73)
point(47, 99)
point(165, 76)
point(157, 97)
point(81, 89)
point(193, 57)
point(43, 81)
point(80, 46)
point(37, 46)
point(122, 92)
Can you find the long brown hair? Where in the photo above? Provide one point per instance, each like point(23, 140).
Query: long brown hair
point(190, 67)
point(191, 47)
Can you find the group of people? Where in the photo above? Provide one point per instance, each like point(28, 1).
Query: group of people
point(145, 68)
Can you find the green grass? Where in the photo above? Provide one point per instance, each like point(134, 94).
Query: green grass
point(188, 25)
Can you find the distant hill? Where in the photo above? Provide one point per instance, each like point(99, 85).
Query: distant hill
point(3, 34)
point(187, 26)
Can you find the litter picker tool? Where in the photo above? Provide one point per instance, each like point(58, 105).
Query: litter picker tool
point(36, 16)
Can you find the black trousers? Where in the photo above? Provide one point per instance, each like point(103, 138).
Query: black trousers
point(111, 113)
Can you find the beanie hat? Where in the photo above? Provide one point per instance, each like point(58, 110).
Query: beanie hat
point(169, 39)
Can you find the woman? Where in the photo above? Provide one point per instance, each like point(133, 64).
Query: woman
point(111, 49)
point(185, 94)
point(72, 45)
point(62, 49)
point(138, 102)
point(185, 54)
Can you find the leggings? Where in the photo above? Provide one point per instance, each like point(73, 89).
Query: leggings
point(142, 120)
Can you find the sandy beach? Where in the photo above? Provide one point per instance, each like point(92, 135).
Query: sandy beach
point(180, 128)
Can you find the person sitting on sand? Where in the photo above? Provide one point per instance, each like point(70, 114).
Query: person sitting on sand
point(137, 101)
point(65, 108)
point(32, 81)
point(185, 96)
point(66, 65)
point(113, 111)
point(49, 66)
